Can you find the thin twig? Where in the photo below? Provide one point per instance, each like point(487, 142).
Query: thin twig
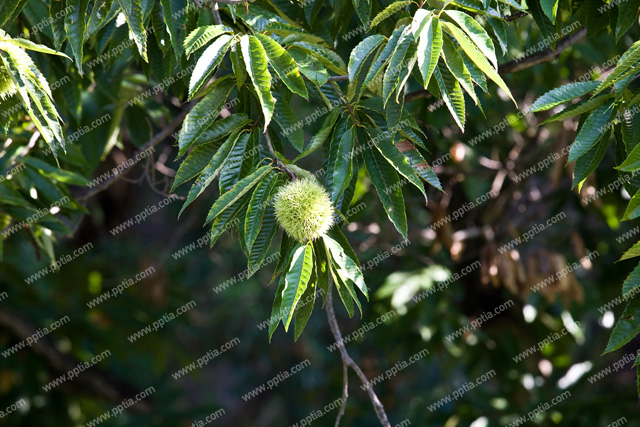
point(546, 55)
point(216, 12)
point(278, 161)
point(348, 361)
point(337, 90)
point(157, 139)
point(515, 16)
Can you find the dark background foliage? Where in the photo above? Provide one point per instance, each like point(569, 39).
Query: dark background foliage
point(237, 311)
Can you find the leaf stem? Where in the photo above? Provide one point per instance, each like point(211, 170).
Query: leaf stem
point(337, 90)
point(278, 161)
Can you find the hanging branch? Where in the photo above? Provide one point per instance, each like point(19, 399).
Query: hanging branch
point(347, 361)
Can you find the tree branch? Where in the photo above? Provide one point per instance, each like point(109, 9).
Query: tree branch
point(546, 55)
point(216, 12)
point(157, 139)
point(278, 161)
point(348, 361)
point(515, 16)
point(92, 381)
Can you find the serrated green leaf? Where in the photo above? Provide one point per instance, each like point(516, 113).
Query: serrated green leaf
point(419, 164)
point(289, 122)
point(476, 33)
point(631, 285)
point(591, 131)
point(55, 173)
point(632, 253)
point(388, 11)
point(347, 267)
point(227, 220)
point(33, 92)
point(626, 65)
point(321, 267)
point(255, 59)
point(632, 162)
point(240, 162)
point(588, 163)
point(321, 136)
point(343, 292)
point(363, 10)
point(389, 188)
point(276, 313)
point(578, 108)
point(454, 63)
point(360, 61)
point(285, 252)
point(327, 57)
point(196, 160)
point(56, 8)
point(305, 308)
point(203, 35)
point(499, 28)
point(296, 281)
point(284, 65)
point(633, 208)
point(238, 65)
point(550, 8)
point(132, 10)
point(204, 114)
point(260, 247)
point(211, 171)
point(545, 26)
point(451, 94)
point(175, 18)
point(630, 129)
point(374, 76)
point(476, 73)
point(237, 191)
point(218, 129)
point(29, 45)
point(396, 159)
point(343, 166)
point(208, 63)
point(74, 25)
point(627, 16)
point(286, 30)
point(9, 10)
point(260, 201)
point(477, 57)
point(308, 66)
point(396, 65)
point(562, 94)
point(627, 328)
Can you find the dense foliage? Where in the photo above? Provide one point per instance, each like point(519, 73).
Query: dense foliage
point(318, 106)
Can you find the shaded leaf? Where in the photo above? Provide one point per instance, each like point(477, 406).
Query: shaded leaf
point(237, 191)
point(296, 281)
point(389, 188)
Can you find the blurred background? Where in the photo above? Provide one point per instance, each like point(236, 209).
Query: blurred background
point(232, 316)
